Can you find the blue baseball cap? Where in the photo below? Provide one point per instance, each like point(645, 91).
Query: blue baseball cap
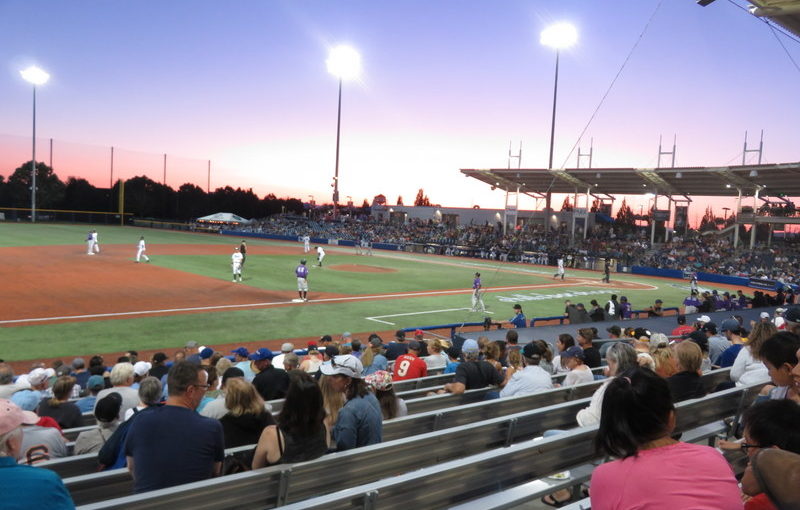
point(261, 354)
point(574, 352)
point(241, 351)
point(206, 353)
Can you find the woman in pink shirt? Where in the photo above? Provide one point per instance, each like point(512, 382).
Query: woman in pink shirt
point(654, 471)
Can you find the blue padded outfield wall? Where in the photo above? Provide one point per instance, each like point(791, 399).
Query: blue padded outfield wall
point(652, 271)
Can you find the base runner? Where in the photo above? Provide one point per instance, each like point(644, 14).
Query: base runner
point(302, 280)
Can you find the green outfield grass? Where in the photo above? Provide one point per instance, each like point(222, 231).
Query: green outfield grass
point(412, 274)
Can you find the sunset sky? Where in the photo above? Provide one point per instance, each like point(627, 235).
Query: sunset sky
point(446, 84)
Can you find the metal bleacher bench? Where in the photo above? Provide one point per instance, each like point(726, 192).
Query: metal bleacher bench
point(506, 421)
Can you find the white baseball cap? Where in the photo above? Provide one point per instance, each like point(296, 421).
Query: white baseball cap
point(704, 318)
point(141, 368)
point(346, 364)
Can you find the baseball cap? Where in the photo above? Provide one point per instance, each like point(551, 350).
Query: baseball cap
point(38, 375)
point(780, 310)
point(331, 350)
point(206, 353)
point(614, 330)
point(107, 408)
point(380, 380)
point(469, 346)
point(710, 327)
point(792, 314)
point(763, 315)
point(347, 365)
point(419, 332)
point(574, 352)
point(261, 354)
point(191, 344)
point(141, 368)
point(659, 301)
point(241, 351)
point(376, 341)
point(346, 334)
point(414, 345)
point(11, 416)
point(730, 325)
point(95, 381)
point(532, 350)
point(704, 319)
point(640, 332)
point(287, 347)
point(27, 400)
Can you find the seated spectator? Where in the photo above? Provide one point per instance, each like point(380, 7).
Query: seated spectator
point(590, 352)
point(80, 374)
point(312, 360)
point(24, 487)
point(772, 478)
point(173, 445)
point(717, 343)
point(159, 368)
point(107, 414)
point(578, 373)
point(662, 355)
point(398, 347)
point(732, 331)
point(7, 385)
point(241, 360)
point(300, 433)
point(546, 363)
point(141, 369)
point(42, 441)
point(360, 420)
point(437, 359)
point(291, 362)
point(563, 342)
point(34, 385)
point(216, 408)
point(747, 368)
point(491, 355)
point(286, 348)
point(213, 387)
point(682, 329)
point(779, 354)
point(453, 361)
point(636, 427)
point(246, 417)
point(93, 386)
point(532, 378)
point(271, 382)
point(410, 365)
point(391, 405)
point(687, 382)
point(66, 413)
point(614, 333)
point(121, 380)
point(620, 358)
point(642, 347)
point(150, 392)
point(472, 373)
point(512, 341)
point(700, 338)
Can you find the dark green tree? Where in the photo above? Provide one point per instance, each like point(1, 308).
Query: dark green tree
point(49, 188)
point(625, 215)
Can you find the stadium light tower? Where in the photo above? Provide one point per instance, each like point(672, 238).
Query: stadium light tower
point(558, 36)
point(345, 63)
point(35, 76)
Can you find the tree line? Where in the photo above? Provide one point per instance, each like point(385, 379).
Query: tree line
point(144, 197)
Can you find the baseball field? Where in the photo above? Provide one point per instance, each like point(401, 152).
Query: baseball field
point(56, 301)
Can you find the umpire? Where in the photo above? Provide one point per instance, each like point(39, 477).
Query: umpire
point(243, 251)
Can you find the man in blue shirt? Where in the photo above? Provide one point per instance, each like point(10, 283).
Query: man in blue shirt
point(22, 486)
point(518, 320)
point(173, 445)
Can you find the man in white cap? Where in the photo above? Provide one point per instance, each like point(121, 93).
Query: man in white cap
point(141, 369)
point(286, 348)
point(25, 487)
point(779, 321)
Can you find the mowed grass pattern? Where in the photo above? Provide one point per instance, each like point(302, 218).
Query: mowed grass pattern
point(411, 274)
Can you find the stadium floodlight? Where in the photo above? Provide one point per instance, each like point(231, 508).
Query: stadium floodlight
point(558, 36)
point(345, 63)
point(35, 76)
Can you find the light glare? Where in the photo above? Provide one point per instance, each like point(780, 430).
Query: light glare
point(559, 36)
point(35, 75)
point(344, 62)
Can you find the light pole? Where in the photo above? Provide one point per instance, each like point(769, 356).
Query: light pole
point(345, 63)
point(558, 36)
point(726, 209)
point(35, 76)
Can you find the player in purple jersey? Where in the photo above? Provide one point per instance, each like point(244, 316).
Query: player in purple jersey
point(477, 295)
point(302, 280)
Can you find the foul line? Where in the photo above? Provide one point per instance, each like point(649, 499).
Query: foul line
point(378, 318)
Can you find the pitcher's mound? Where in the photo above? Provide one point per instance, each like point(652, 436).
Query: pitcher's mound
point(358, 268)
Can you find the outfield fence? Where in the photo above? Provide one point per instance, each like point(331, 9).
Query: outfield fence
point(64, 215)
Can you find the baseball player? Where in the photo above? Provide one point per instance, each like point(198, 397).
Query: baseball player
point(607, 271)
point(320, 255)
point(140, 252)
point(306, 244)
point(477, 295)
point(359, 247)
point(95, 242)
point(560, 271)
point(236, 265)
point(302, 280)
point(693, 283)
point(243, 251)
point(89, 243)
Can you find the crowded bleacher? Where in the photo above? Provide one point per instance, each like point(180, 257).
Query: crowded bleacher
point(142, 432)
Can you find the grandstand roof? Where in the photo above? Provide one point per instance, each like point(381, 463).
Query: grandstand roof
point(723, 181)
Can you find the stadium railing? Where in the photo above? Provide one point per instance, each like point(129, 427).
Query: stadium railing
point(454, 472)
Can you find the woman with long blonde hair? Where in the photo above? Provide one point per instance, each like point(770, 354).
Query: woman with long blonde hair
point(333, 401)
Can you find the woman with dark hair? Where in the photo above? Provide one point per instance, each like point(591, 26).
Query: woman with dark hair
point(66, 413)
point(546, 362)
point(654, 470)
point(590, 352)
point(391, 405)
point(300, 433)
point(563, 342)
point(360, 422)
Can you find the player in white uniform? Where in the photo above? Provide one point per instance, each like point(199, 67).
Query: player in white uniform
point(96, 245)
point(140, 252)
point(306, 244)
point(560, 271)
point(89, 243)
point(320, 255)
point(236, 265)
